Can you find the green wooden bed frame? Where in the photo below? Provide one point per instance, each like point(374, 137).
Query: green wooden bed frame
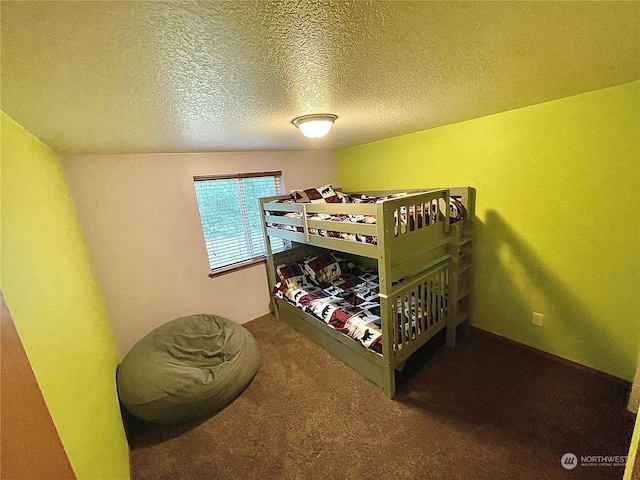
point(435, 261)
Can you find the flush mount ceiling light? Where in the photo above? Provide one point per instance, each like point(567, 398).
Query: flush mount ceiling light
point(315, 126)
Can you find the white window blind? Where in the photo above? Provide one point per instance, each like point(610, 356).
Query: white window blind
point(230, 215)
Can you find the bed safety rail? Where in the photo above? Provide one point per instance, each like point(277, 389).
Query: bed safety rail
point(416, 310)
point(408, 220)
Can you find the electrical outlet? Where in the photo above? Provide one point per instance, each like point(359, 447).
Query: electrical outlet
point(537, 319)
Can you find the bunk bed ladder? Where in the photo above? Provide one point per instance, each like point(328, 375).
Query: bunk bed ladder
point(459, 295)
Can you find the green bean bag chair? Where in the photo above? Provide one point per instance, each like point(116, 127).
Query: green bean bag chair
point(188, 368)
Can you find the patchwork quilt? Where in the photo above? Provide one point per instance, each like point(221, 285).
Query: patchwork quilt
point(348, 303)
point(345, 297)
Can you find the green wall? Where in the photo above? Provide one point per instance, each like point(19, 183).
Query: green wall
point(57, 306)
point(558, 224)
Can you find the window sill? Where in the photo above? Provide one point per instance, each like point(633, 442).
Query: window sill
point(234, 268)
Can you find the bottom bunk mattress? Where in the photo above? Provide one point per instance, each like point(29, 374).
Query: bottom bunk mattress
point(346, 298)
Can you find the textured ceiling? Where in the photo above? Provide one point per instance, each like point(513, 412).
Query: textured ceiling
point(116, 77)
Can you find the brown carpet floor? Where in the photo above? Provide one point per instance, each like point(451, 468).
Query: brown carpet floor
point(488, 409)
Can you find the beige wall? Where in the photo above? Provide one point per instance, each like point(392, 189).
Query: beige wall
point(140, 217)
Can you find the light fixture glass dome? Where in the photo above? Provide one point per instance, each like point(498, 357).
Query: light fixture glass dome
point(315, 126)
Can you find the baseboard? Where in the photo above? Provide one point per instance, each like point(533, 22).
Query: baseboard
point(260, 317)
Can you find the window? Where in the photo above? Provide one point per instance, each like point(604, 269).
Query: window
point(230, 215)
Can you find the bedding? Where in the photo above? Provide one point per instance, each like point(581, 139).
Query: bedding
point(349, 302)
point(323, 194)
point(293, 275)
point(323, 268)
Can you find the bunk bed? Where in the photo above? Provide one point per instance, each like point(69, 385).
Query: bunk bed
point(404, 256)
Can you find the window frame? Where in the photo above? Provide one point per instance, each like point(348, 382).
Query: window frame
point(233, 267)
